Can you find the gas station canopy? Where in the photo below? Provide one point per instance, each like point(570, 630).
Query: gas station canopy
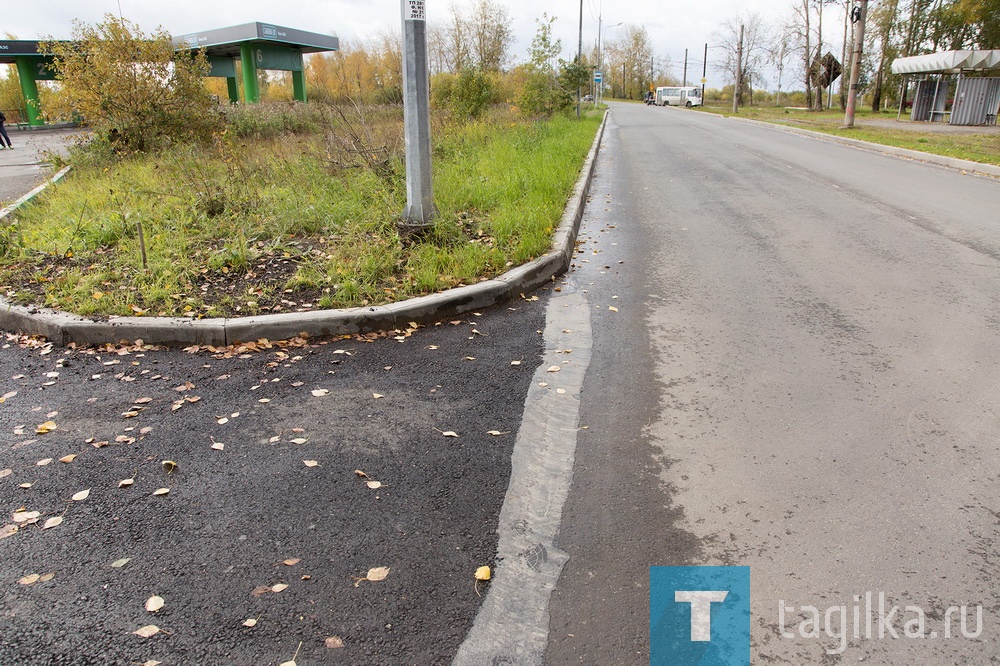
point(256, 45)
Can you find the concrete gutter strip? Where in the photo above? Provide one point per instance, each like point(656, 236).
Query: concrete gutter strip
point(62, 328)
point(930, 158)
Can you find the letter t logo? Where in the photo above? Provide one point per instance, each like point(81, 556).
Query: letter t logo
point(701, 611)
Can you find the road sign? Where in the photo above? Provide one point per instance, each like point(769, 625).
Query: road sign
point(598, 77)
point(704, 80)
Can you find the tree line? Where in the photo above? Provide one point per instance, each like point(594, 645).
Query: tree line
point(815, 33)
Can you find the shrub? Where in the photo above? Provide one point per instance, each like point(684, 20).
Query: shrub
point(133, 90)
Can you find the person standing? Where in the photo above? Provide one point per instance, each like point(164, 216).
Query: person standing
point(3, 132)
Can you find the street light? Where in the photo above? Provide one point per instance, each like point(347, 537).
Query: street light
point(600, 54)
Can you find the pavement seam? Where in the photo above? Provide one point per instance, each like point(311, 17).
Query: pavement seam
point(512, 625)
point(977, 168)
point(63, 328)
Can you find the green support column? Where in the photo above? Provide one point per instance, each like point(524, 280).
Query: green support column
point(299, 85)
point(248, 60)
point(26, 72)
point(234, 89)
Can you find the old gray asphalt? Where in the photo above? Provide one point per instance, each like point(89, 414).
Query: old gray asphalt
point(801, 376)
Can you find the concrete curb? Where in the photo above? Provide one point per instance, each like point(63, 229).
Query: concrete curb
point(940, 160)
point(33, 193)
point(62, 328)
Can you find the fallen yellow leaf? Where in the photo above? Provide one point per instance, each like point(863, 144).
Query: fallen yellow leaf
point(82, 495)
point(147, 631)
point(483, 573)
point(154, 603)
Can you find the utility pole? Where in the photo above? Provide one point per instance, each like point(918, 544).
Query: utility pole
point(739, 73)
point(579, 60)
point(858, 16)
point(685, 67)
point(704, 73)
point(420, 207)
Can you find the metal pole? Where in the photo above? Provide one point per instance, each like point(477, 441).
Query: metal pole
point(600, 62)
point(579, 59)
point(685, 67)
point(858, 15)
point(416, 116)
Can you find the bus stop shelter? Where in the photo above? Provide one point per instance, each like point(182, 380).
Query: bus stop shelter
point(975, 97)
point(258, 46)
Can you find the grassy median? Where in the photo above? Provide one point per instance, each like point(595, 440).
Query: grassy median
point(291, 215)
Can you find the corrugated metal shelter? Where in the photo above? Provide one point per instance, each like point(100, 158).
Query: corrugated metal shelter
point(977, 96)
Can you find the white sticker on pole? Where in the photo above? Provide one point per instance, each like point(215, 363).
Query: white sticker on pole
point(415, 10)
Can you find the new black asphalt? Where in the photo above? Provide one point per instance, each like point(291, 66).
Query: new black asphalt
point(215, 546)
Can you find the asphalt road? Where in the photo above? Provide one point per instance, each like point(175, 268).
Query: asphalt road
point(24, 167)
point(800, 375)
point(265, 494)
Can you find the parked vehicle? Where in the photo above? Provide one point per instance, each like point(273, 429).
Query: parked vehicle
point(678, 96)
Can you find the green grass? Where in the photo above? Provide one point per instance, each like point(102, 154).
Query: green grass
point(265, 222)
point(980, 147)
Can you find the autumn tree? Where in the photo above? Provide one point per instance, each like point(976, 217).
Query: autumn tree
point(748, 59)
point(631, 57)
point(134, 90)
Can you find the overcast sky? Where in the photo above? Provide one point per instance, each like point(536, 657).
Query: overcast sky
point(672, 25)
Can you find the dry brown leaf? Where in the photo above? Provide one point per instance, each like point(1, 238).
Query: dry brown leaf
point(142, 401)
point(68, 459)
point(46, 427)
point(377, 395)
point(374, 485)
point(125, 483)
point(7, 531)
point(30, 579)
point(218, 446)
point(44, 578)
point(449, 433)
point(311, 463)
point(5, 472)
point(496, 433)
point(161, 491)
point(26, 485)
point(278, 587)
point(291, 561)
point(376, 574)
point(168, 466)
point(319, 393)
point(147, 631)
point(151, 662)
point(154, 603)
point(52, 522)
point(334, 642)
point(25, 516)
point(613, 308)
point(6, 396)
point(82, 495)
point(223, 421)
point(252, 622)
point(298, 440)
point(553, 368)
point(361, 474)
point(99, 445)
point(43, 462)
point(118, 564)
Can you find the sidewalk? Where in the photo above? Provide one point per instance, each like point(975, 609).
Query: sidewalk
point(24, 168)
